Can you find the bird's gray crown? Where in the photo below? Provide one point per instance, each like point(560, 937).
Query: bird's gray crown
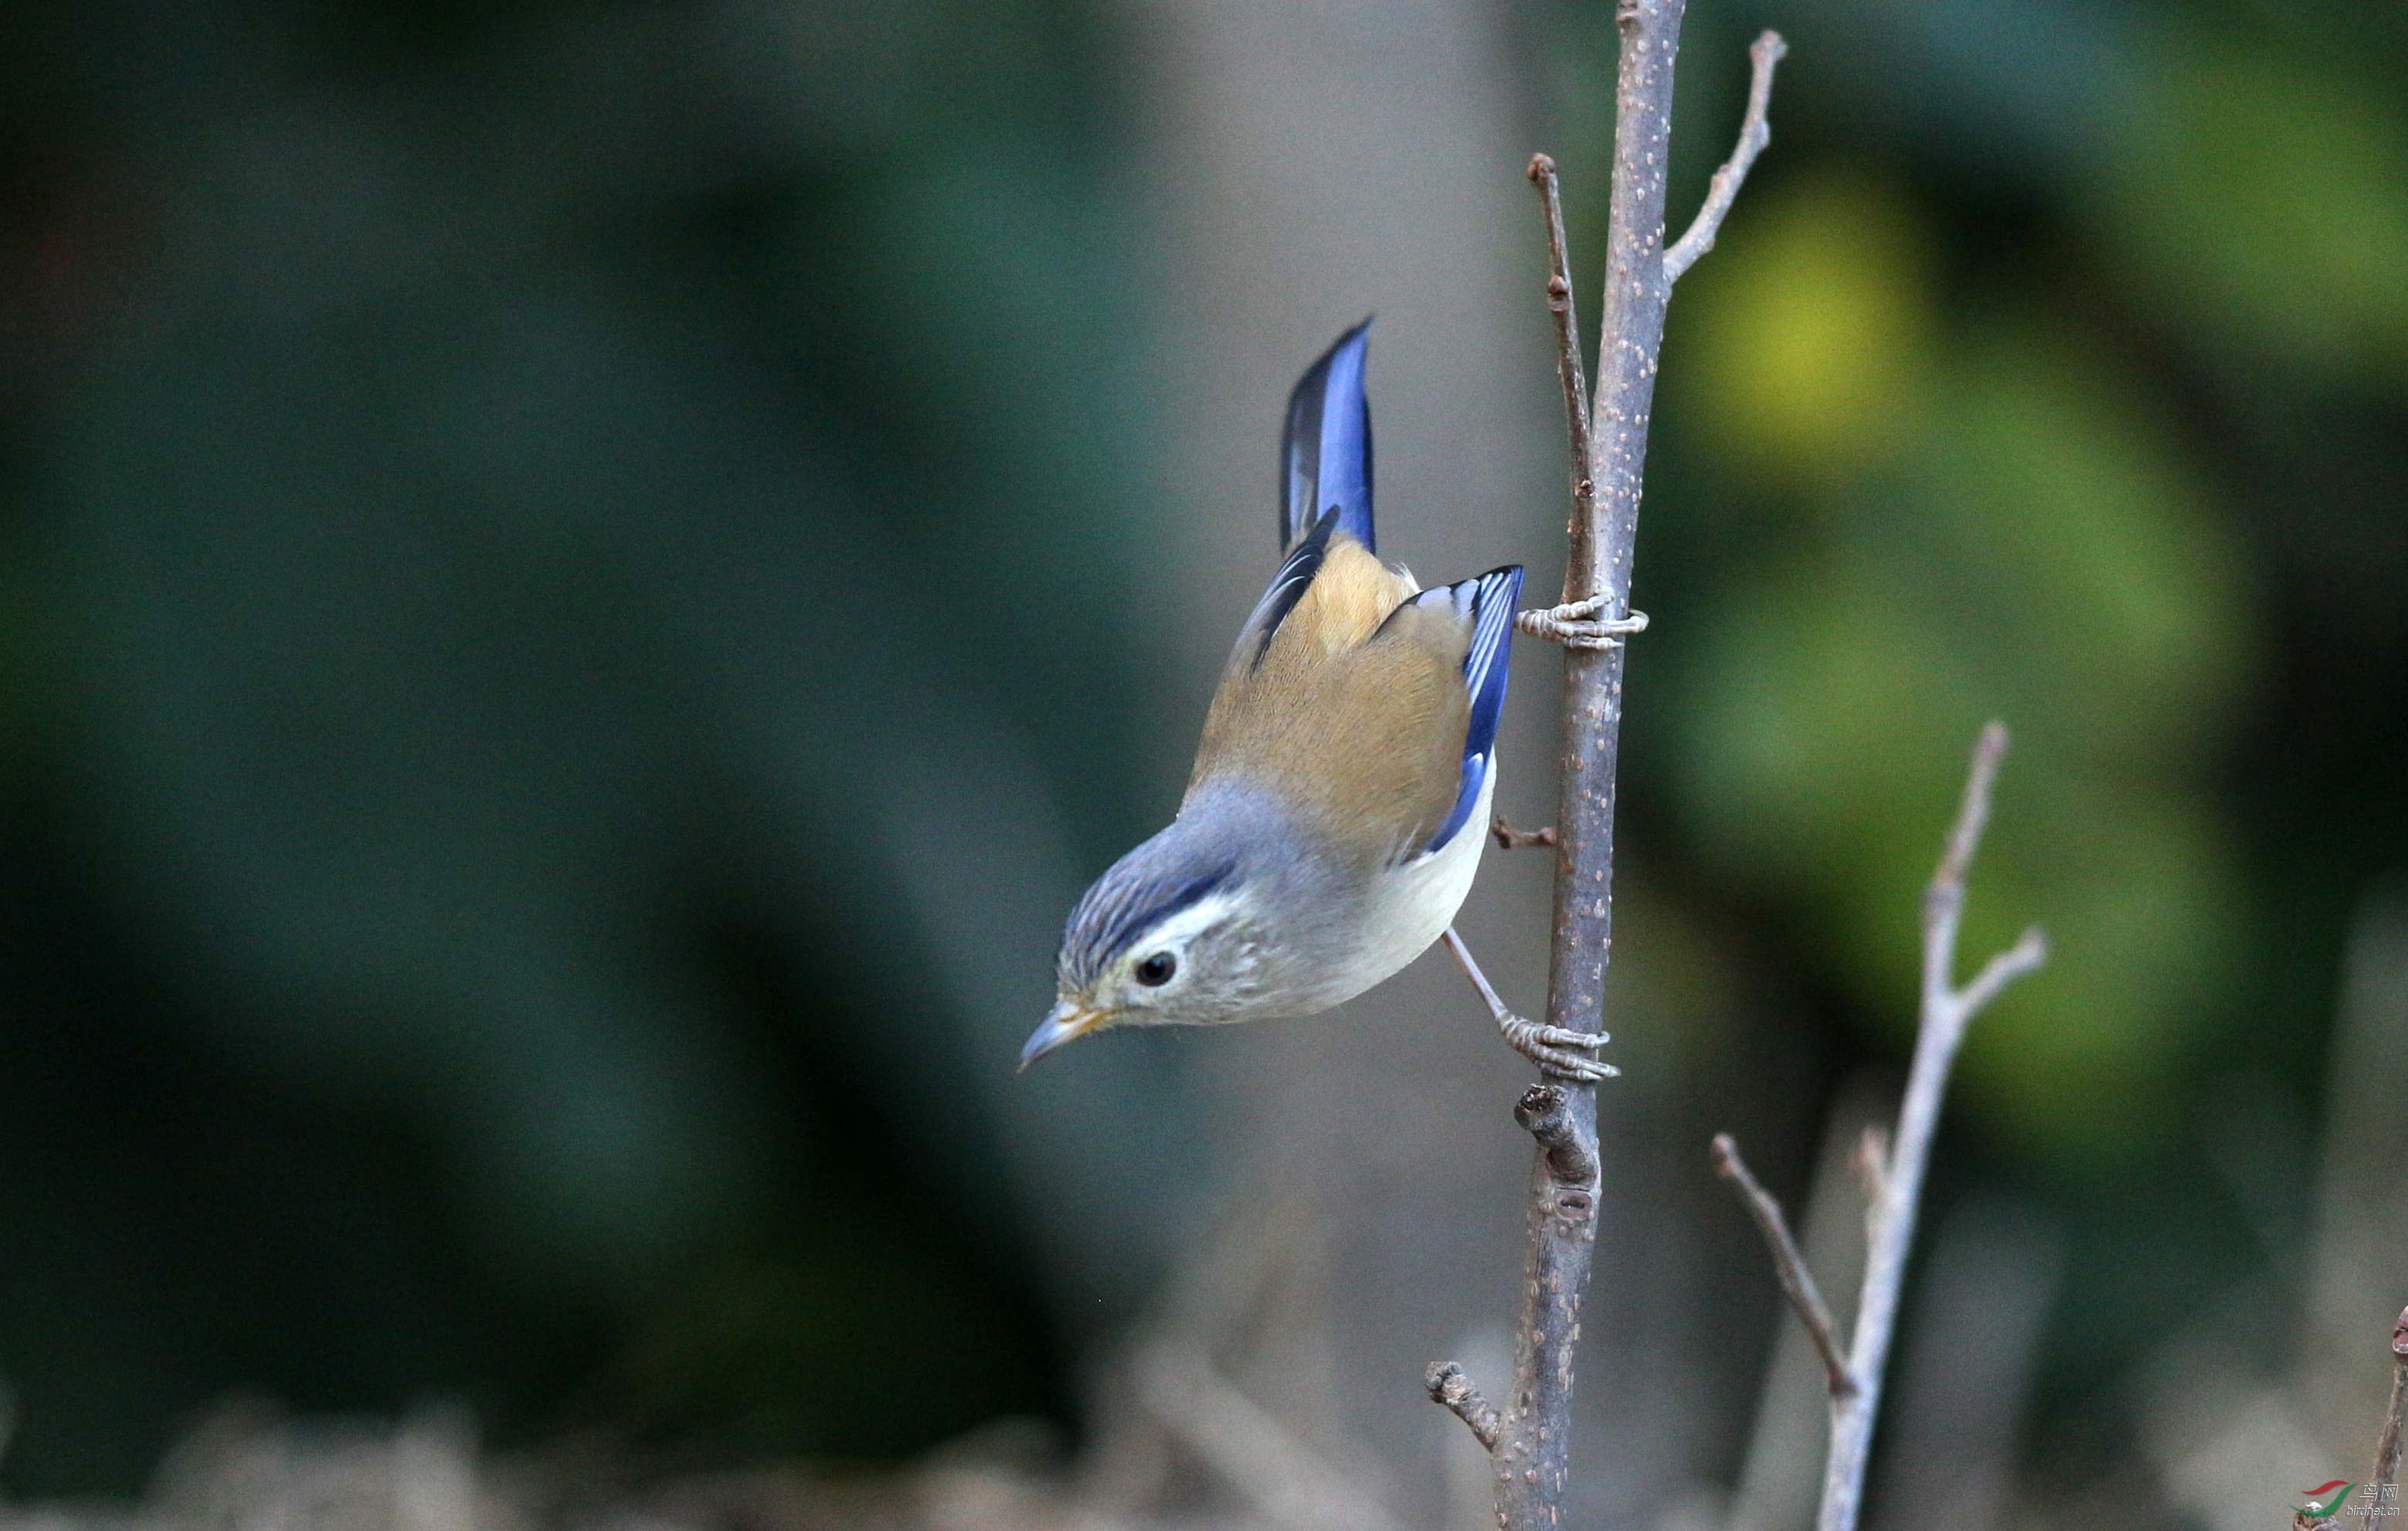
point(1229, 833)
point(1157, 879)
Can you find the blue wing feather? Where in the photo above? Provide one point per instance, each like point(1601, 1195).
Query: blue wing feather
point(1326, 448)
point(1488, 603)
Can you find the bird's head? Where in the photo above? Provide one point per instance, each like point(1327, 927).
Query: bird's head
point(1170, 936)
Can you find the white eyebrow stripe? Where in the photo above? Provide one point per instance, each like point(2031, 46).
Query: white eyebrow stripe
point(1191, 922)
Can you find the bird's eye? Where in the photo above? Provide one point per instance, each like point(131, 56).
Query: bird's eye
point(1156, 969)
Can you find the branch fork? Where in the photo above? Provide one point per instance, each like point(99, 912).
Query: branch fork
point(1892, 1174)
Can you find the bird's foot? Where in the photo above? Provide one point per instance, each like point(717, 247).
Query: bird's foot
point(1551, 1048)
point(1575, 626)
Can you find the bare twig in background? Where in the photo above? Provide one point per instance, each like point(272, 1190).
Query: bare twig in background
point(1510, 839)
point(1755, 131)
point(1288, 1485)
point(1989, 1276)
point(1796, 1281)
point(1946, 1012)
point(1608, 439)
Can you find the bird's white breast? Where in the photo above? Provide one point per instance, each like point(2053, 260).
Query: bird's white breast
point(1412, 904)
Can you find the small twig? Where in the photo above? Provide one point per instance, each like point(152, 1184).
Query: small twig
point(1258, 1454)
point(1946, 1012)
point(1944, 900)
point(1755, 132)
point(1451, 1390)
point(1510, 839)
point(2029, 951)
point(1568, 371)
point(1789, 1264)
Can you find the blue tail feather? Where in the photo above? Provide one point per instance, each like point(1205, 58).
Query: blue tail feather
point(1326, 448)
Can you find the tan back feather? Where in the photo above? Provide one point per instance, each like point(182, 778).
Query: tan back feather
point(1363, 734)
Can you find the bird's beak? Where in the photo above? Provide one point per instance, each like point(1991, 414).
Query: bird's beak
point(1067, 1023)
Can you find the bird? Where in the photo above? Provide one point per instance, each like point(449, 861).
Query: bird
point(1334, 817)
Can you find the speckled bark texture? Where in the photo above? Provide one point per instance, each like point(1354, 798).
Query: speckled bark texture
point(1530, 1437)
point(1532, 1457)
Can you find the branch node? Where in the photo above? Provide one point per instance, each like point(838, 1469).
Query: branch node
point(1544, 1111)
point(1454, 1391)
point(1789, 1265)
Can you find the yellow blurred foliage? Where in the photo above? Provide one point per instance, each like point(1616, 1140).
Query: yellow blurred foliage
point(2035, 550)
point(1812, 349)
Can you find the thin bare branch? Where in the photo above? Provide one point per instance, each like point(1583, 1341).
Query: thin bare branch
point(1946, 1012)
point(1568, 357)
point(1755, 132)
point(1607, 442)
point(1945, 899)
point(1452, 1391)
point(1257, 1454)
point(1789, 1264)
point(1510, 839)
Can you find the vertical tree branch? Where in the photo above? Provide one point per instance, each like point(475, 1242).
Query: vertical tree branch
point(1945, 1013)
point(1530, 1437)
point(1532, 1457)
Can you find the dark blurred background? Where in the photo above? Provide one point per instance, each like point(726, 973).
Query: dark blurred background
point(584, 583)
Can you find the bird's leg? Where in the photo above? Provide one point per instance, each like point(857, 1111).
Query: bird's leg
point(1556, 1051)
point(1574, 624)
